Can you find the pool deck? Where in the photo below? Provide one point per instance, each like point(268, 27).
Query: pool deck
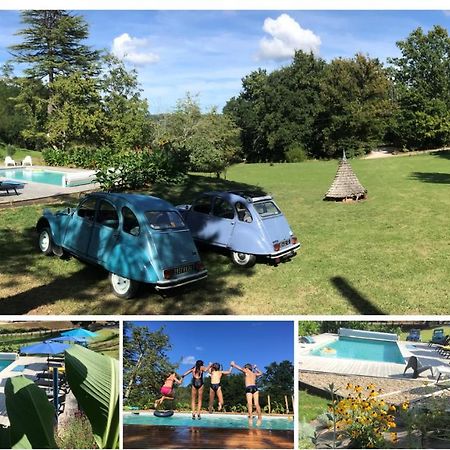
point(34, 364)
point(311, 363)
point(36, 192)
point(150, 436)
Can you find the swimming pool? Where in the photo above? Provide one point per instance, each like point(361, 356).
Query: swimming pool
point(208, 421)
point(53, 177)
point(6, 359)
point(361, 349)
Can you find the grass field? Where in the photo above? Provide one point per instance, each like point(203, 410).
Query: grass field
point(310, 406)
point(387, 255)
point(20, 154)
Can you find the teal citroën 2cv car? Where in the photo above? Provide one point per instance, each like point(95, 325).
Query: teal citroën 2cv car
point(136, 238)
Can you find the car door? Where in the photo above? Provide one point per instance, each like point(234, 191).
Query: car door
point(198, 217)
point(221, 222)
point(105, 232)
point(79, 228)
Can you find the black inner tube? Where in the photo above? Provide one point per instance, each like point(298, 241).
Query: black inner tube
point(163, 413)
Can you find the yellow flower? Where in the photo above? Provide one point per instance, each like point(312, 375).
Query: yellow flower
point(392, 408)
point(405, 406)
point(349, 386)
point(394, 437)
point(358, 388)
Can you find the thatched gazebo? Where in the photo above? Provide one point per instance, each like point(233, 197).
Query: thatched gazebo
point(346, 185)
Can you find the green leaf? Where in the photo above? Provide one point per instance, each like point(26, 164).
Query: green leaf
point(5, 441)
point(30, 413)
point(94, 380)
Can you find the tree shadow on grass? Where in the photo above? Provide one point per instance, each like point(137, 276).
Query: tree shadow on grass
point(442, 154)
point(360, 303)
point(87, 286)
point(432, 177)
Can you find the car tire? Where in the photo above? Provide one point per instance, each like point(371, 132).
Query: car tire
point(45, 241)
point(243, 259)
point(123, 287)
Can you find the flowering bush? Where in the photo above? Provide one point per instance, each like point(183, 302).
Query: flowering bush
point(362, 417)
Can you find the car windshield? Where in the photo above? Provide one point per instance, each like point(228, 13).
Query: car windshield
point(266, 208)
point(165, 220)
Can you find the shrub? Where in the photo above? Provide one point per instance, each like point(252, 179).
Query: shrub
point(306, 328)
point(362, 417)
point(295, 154)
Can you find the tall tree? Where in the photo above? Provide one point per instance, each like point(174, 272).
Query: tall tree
point(278, 380)
point(422, 89)
point(52, 44)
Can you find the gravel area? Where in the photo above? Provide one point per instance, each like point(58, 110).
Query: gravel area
point(393, 390)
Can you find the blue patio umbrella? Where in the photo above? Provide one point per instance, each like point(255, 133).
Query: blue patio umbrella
point(78, 340)
point(79, 332)
point(45, 348)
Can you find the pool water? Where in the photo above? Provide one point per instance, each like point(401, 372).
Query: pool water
point(208, 421)
point(362, 349)
point(34, 175)
point(4, 363)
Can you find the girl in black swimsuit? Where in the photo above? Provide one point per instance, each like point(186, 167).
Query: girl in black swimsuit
point(197, 387)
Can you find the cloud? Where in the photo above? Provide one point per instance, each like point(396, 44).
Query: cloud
point(199, 348)
point(188, 360)
point(286, 36)
point(134, 50)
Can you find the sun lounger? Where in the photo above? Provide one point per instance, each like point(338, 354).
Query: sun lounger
point(441, 371)
point(438, 337)
point(414, 364)
point(307, 340)
point(7, 185)
point(27, 161)
point(413, 335)
point(9, 161)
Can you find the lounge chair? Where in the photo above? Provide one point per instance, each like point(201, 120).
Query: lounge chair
point(438, 337)
point(414, 364)
point(9, 161)
point(441, 371)
point(414, 335)
point(7, 186)
point(27, 161)
point(307, 340)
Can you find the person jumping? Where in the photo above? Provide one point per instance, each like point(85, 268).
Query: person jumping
point(215, 388)
point(197, 386)
point(167, 389)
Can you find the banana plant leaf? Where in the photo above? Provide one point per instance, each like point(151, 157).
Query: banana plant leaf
point(94, 380)
point(30, 414)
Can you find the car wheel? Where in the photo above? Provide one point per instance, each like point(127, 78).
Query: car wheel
point(45, 241)
point(243, 259)
point(123, 287)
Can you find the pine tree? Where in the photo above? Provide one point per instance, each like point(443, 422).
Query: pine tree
point(52, 45)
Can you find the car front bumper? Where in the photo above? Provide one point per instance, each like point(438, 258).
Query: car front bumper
point(177, 282)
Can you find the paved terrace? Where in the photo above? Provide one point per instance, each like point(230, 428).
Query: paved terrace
point(34, 192)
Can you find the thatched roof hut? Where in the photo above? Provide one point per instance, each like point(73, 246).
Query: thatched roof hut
point(346, 185)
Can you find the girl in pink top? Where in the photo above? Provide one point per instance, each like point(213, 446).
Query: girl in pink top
point(167, 390)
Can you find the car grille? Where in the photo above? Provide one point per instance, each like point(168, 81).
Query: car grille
point(183, 269)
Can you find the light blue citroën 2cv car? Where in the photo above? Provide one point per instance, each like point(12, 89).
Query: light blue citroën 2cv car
point(136, 238)
point(248, 225)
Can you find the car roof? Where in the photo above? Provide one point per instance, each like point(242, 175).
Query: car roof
point(139, 201)
point(239, 195)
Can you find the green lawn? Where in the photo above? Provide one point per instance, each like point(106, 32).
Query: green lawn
point(387, 255)
point(310, 406)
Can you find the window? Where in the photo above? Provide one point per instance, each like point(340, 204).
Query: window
point(107, 215)
point(243, 213)
point(165, 220)
point(87, 209)
point(203, 205)
point(266, 208)
point(130, 222)
point(223, 209)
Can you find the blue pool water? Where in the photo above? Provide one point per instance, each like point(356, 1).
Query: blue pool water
point(34, 175)
point(208, 421)
point(4, 363)
point(362, 349)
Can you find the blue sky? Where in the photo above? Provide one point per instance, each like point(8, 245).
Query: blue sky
point(208, 52)
point(254, 342)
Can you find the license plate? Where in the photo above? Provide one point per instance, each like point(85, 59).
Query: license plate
point(183, 269)
point(285, 243)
